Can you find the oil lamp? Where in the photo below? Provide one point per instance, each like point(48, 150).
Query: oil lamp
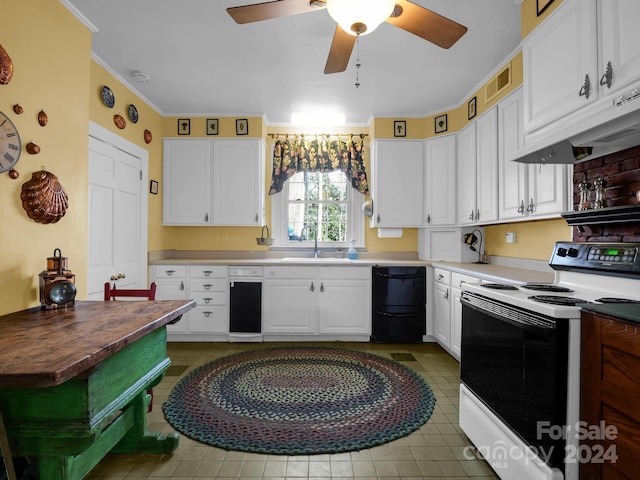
point(57, 283)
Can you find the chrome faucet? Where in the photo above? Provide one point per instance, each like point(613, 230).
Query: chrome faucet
point(315, 238)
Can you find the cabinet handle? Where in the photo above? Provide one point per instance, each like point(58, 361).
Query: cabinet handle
point(206, 217)
point(207, 299)
point(207, 272)
point(471, 216)
point(312, 288)
point(207, 286)
point(477, 215)
point(256, 218)
point(428, 218)
point(207, 314)
point(446, 294)
point(607, 78)
point(182, 285)
point(378, 218)
point(169, 272)
point(530, 207)
point(521, 207)
point(461, 282)
point(440, 277)
point(322, 286)
point(585, 90)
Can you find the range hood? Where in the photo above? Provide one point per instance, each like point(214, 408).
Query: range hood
point(614, 129)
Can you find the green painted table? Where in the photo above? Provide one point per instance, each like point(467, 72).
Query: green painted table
point(73, 381)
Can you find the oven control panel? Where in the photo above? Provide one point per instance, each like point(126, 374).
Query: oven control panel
point(612, 258)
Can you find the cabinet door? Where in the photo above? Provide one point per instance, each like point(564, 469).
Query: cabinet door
point(456, 322)
point(397, 180)
point(440, 181)
point(173, 289)
point(487, 167)
point(547, 189)
point(620, 44)
point(344, 307)
point(467, 183)
point(442, 312)
point(238, 182)
point(186, 182)
point(512, 175)
point(559, 60)
point(289, 306)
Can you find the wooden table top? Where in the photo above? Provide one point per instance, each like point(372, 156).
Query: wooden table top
point(42, 348)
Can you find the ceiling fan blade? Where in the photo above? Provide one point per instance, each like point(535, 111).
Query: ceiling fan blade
point(340, 53)
point(426, 24)
point(275, 9)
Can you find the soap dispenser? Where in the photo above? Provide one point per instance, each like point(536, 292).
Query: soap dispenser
point(352, 254)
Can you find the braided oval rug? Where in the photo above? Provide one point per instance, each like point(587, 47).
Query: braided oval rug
point(299, 401)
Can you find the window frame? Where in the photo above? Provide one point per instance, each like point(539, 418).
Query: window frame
point(279, 211)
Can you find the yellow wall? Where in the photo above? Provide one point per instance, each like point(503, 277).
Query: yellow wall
point(535, 240)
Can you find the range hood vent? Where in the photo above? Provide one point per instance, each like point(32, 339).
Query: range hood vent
point(612, 130)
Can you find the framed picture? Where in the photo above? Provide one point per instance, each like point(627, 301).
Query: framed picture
point(441, 123)
point(242, 126)
point(184, 126)
point(153, 187)
point(399, 128)
point(542, 5)
point(471, 108)
point(212, 126)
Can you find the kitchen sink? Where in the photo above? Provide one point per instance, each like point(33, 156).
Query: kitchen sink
point(314, 260)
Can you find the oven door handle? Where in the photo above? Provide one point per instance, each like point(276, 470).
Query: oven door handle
point(508, 314)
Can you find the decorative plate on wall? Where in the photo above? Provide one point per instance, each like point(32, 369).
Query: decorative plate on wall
point(133, 113)
point(107, 97)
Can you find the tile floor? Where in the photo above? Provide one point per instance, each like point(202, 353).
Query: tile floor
point(438, 450)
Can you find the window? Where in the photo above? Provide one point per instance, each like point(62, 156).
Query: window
point(323, 200)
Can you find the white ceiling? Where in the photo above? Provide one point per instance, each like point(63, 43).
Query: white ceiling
point(202, 63)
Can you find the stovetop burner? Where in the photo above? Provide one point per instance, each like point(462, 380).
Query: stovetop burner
point(558, 300)
point(544, 287)
point(499, 286)
point(616, 300)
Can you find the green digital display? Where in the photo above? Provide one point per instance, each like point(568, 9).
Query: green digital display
point(611, 252)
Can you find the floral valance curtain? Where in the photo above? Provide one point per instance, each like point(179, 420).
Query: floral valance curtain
point(321, 154)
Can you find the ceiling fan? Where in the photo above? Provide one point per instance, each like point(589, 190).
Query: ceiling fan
point(403, 14)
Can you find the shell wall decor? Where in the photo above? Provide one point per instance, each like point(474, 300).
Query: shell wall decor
point(44, 198)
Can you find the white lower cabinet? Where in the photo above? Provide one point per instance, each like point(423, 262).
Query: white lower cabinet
point(448, 309)
point(209, 286)
point(326, 302)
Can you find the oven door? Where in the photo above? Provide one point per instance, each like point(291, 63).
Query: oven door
point(515, 362)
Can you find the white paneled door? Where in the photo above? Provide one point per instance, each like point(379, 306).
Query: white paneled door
point(117, 224)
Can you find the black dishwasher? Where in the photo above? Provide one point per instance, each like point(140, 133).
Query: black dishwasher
point(399, 298)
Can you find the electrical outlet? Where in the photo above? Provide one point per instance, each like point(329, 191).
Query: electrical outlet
point(510, 237)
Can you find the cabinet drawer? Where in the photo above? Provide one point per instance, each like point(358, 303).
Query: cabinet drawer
point(171, 271)
point(209, 319)
point(442, 276)
point(457, 279)
point(208, 271)
point(211, 298)
point(208, 285)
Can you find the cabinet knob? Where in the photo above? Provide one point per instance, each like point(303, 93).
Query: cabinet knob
point(429, 218)
point(182, 285)
point(607, 78)
point(322, 286)
point(256, 218)
point(440, 277)
point(446, 294)
point(585, 90)
point(312, 288)
point(206, 217)
point(378, 218)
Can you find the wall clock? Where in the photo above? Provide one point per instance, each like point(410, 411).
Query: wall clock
point(10, 145)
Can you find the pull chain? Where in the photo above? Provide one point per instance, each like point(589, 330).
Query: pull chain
point(358, 65)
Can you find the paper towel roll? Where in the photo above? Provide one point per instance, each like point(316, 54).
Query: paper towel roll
point(389, 232)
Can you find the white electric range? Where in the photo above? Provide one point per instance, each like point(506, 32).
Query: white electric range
point(520, 360)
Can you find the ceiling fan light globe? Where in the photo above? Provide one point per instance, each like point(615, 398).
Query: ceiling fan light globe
point(351, 15)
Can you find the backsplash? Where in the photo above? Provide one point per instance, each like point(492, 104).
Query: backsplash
point(620, 172)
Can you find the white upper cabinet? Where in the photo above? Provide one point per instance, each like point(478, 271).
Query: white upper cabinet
point(397, 183)
point(526, 190)
point(560, 64)
point(213, 182)
point(238, 182)
point(578, 62)
point(478, 170)
point(186, 182)
point(440, 181)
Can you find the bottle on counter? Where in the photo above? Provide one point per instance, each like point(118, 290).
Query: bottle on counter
point(352, 254)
